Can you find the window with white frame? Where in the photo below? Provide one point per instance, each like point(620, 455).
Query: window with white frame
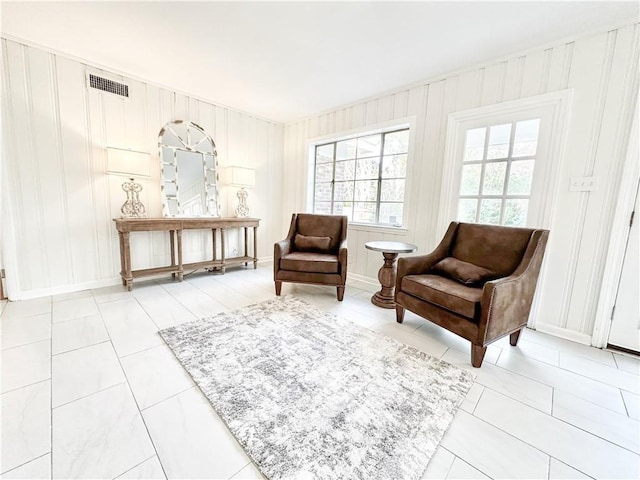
point(497, 173)
point(362, 177)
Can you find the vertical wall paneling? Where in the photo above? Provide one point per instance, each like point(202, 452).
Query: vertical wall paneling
point(59, 199)
point(9, 178)
point(602, 72)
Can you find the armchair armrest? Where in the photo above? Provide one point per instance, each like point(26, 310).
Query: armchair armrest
point(343, 257)
point(279, 249)
point(506, 302)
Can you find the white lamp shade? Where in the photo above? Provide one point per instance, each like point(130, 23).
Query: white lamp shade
point(239, 176)
point(127, 162)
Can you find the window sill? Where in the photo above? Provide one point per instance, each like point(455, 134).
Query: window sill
point(364, 227)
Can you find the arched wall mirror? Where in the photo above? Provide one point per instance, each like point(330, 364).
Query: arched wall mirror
point(189, 171)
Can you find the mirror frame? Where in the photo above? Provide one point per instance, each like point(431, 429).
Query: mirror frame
point(212, 205)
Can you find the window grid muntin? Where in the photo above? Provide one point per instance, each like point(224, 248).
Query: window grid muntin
point(355, 158)
point(509, 159)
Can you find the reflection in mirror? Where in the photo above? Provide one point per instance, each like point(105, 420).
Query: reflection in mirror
point(189, 171)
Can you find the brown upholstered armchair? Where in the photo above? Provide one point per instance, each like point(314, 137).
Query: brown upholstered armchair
point(315, 251)
point(478, 283)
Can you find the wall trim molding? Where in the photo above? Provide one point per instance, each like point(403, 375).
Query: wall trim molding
point(565, 333)
point(76, 287)
point(559, 105)
point(555, 107)
point(618, 240)
point(362, 278)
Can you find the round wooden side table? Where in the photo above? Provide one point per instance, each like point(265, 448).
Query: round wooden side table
point(387, 273)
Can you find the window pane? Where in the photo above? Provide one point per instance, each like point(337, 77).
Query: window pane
point(343, 191)
point(343, 208)
point(467, 208)
point(367, 191)
point(394, 166)
point(369, 146)
point(515, 212)
point(345, 170)
point(470, 184)
point(396, 142)
point(367, 168)
point(499, 141)
point(390, 213)
point(490, 211)
point(474, 145)
point(324, 172)
point(392, 190)
point(323, 208)
point(494, 176)
point(520, 177)
point(346, 149)
point(324, 153)
point(323, 192)
point(525, 143)
point(364, 212)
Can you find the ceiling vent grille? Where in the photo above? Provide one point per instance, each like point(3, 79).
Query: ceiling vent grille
point(109, 86)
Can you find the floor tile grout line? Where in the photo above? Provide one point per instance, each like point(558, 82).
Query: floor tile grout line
point(79, 348)
point(555, 418)
point(195, 385)
point(25, 386)
point(243, 467)
point(88, 395)
point(566, 464)
point(568, 371)
point(135, 400)
point(135, 466)
point(27, 344)
point(24, 463)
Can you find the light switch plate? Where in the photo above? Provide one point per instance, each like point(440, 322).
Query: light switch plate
point(582, 184)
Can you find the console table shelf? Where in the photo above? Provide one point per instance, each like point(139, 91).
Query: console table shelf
point(175, 227)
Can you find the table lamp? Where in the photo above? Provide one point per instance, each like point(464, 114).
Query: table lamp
point(240, 177)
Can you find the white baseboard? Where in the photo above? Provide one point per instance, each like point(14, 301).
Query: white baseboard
point(563, 333)
point(76, 287)
point(361, 278)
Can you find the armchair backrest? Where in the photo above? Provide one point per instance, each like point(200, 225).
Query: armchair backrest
point(498, 248)
point(332, 226)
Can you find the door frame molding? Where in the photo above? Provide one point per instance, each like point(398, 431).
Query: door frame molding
point(557, 106)
point(619, 234)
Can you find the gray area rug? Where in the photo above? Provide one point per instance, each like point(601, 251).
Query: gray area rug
point(310, 395)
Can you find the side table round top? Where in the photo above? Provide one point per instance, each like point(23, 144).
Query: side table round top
point(391, 247)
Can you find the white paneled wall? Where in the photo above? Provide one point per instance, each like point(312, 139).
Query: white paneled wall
point(602, 70)
point(58, 201)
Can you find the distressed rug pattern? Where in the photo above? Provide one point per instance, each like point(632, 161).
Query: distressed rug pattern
point(310, 395)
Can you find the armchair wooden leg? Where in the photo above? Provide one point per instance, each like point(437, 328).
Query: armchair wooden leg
point(340, 293)
point(278, 287)
point(477, 355)
point(399, 313)
point(514, 337)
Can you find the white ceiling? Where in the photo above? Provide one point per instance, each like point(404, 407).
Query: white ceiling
point(289, 60)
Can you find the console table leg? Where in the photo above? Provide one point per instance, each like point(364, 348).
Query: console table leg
point(173, 251)
point(255, 247)
point(246, 243)
point(180, 270)
point(222, 247)
point(126, 261)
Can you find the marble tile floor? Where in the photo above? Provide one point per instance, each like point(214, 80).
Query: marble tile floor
point(89, 390)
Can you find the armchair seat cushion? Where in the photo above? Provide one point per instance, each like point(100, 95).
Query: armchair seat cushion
point(310, 262)
point(445, 293)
